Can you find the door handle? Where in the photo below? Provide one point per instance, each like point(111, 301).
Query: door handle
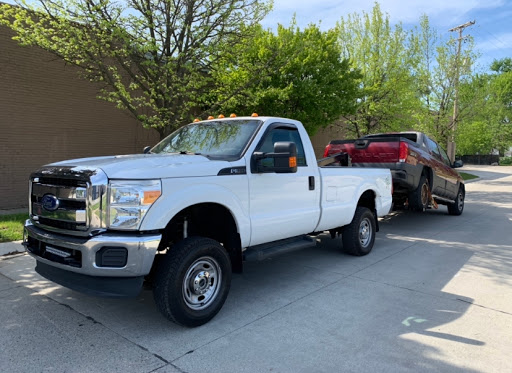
point(311, 183)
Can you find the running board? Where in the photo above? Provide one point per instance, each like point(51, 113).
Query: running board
point(263, 251)
point(443, 200)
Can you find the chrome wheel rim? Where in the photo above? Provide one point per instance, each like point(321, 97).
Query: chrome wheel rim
point(365, 232)
point(201, 283)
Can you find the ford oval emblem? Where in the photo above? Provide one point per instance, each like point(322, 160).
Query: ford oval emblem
point(50, 202)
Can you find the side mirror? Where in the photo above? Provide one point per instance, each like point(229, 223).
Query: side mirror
point(457, 164)
point(282, 160)
point(146, 149)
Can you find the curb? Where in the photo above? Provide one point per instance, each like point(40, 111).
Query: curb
point(14, 247)
point(472, 180)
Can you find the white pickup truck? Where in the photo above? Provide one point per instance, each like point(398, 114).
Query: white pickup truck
point(186, 214)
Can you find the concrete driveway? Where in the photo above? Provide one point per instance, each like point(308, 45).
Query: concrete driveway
point(434, 295)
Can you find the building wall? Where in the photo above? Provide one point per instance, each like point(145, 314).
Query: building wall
point(320, 140)
point(47, 114)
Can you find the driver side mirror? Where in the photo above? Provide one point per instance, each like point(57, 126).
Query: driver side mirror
point(457, 164)
point(146, 149)
point(282, 160)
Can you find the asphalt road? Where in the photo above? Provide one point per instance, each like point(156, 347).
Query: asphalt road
point(435, 294)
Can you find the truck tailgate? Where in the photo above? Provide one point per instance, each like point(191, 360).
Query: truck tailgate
point(375, 150)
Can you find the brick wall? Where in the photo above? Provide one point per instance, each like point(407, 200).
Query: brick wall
point(47, 114)
point(323, 136)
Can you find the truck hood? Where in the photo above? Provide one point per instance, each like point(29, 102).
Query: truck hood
point(149, 166)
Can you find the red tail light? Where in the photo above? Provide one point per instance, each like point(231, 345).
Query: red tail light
point(326, 151)
point(403, 152)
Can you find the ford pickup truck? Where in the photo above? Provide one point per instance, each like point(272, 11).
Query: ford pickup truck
point(185, 215)
point(423, 175)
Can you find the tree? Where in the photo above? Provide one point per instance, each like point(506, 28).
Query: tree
point(490, 97)
point(502, 66)
point(292, 73)
point(387, 58)
point(155, 58)
point(436, 79)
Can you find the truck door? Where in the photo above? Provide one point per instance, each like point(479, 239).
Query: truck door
point(452, 187)
point(439, 177)
point(283, 205)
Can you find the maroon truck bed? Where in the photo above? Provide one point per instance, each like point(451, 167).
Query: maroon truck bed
point(414, 159)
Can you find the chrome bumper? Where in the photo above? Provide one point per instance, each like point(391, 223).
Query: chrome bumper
point(141, 250)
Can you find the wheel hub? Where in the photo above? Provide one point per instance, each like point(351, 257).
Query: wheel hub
point(424, 194)
point(365, 232)
point(200, 282)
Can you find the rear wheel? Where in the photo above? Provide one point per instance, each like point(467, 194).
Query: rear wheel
point(419, 199)
point(457, 207)
point(358, 237)
point(192, 281)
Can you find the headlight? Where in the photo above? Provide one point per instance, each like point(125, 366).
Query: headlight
point(129, 200)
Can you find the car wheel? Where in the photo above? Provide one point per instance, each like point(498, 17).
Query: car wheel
point(192, 281)
point(359, 236)
point(457, 207)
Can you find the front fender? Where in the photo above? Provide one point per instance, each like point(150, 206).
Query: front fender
point(175, 199)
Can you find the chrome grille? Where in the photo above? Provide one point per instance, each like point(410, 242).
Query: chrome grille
point(68, 205)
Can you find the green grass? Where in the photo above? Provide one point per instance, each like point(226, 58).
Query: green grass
point(467, 176)
point(11, 227)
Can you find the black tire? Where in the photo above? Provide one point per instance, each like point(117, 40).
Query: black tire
point(419, 199)
point(457, 207)
point(359, 236)
point(192, 281)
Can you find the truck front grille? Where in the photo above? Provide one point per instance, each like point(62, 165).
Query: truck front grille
point(67, 205)
point(64, 225)
point(63, 182)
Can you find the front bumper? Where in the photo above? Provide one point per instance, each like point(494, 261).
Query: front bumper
point(79, 255)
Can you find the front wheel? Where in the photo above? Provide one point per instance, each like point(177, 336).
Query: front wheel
point(192, 281)
point(457, 207)
point(358, 237)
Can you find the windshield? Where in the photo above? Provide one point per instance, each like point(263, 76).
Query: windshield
point(224, 140)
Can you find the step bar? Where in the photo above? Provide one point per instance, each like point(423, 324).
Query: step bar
point(264, 251)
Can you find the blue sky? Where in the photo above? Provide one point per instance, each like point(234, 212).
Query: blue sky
point(492, 31)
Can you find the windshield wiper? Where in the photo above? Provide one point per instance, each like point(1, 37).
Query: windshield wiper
point(186, 152)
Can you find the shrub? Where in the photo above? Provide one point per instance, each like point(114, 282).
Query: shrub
point(506, 161)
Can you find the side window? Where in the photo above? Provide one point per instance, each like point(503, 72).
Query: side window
point(433, 148)
point(283, 134)
point(446, 160)
point(425, 143)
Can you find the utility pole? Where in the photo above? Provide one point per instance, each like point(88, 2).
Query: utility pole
point(451, 140)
